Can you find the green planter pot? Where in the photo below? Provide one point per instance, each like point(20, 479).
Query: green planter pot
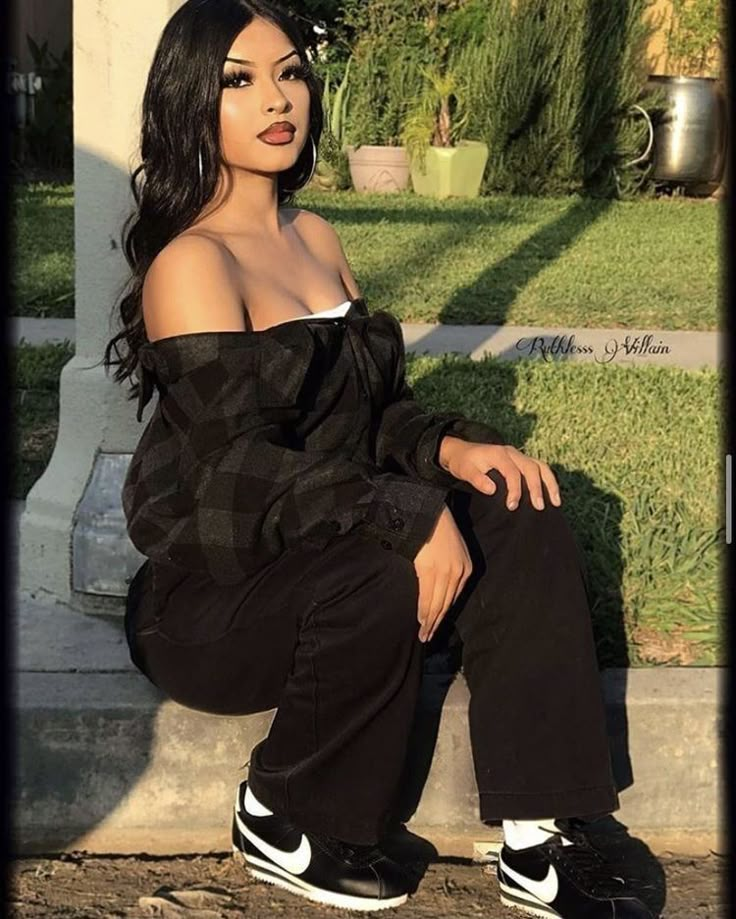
point(451, 171)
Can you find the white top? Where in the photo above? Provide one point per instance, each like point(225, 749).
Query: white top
point(334, 311)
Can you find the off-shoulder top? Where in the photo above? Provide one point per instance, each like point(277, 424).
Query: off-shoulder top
point(303, 431)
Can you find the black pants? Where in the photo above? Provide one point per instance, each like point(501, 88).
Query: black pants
point(331, 640)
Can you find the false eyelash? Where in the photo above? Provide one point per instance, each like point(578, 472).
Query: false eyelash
point(300, 70)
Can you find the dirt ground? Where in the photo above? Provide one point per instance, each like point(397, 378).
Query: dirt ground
point(216, 886)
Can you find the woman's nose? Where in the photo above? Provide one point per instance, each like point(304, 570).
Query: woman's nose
point(277, 100)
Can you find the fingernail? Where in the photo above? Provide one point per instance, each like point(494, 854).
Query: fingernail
point(512, 505)
point(538, 503)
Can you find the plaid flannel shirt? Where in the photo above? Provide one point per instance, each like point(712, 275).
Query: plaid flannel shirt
point(298, 433)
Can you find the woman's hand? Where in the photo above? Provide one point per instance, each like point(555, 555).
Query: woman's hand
point(443, 566)
point(470, 461)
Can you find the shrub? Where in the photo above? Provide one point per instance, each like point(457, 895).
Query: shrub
point(552, 83)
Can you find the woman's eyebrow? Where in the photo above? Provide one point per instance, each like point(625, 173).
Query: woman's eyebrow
point(239, 60)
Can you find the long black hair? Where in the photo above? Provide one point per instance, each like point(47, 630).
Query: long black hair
point(180, 118)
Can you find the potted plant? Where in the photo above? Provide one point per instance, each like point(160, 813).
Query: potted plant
point(376, 159)
point(690, 131)
point(390, 42)
point(441, 163)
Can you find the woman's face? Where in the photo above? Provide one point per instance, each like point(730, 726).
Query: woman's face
point(269, 88)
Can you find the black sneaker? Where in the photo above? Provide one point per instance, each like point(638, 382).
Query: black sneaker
point(565, 876)
point(312, 865)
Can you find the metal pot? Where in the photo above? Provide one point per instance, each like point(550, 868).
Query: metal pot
point(690, 136)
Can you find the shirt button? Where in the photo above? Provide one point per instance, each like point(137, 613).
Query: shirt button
point(386, 544)
point(397, 524)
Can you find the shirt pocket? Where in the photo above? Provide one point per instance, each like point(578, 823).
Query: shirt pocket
point(284, 373)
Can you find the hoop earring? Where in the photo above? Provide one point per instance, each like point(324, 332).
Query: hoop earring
point(314, 166)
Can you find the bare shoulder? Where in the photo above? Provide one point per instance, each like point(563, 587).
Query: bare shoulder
point(325, 243)
point(313, 228)
point(190, 286)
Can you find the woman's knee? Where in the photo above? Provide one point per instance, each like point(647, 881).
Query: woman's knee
point(477, 508)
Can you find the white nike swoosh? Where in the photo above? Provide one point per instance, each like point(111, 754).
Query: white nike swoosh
point(545, 890)
point(294, 862)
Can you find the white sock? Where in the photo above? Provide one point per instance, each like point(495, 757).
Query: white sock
point(518, 834)
point(253, 805)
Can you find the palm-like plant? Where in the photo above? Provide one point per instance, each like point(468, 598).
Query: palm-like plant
point(429, 120)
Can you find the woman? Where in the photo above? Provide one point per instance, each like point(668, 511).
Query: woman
point(301, 513)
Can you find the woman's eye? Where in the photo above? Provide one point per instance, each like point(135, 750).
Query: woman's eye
point(233, 79)
point(296, 71)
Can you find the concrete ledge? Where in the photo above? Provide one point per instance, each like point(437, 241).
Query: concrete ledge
point(668, 347)
point(630, 347)
point(106, 763)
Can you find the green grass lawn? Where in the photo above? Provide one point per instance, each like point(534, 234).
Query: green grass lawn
point(564, 262)
point(634, 451)
point(43, 255)
point(35, 401)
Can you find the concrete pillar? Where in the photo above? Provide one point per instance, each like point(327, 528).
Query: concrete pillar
point(73, 544)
